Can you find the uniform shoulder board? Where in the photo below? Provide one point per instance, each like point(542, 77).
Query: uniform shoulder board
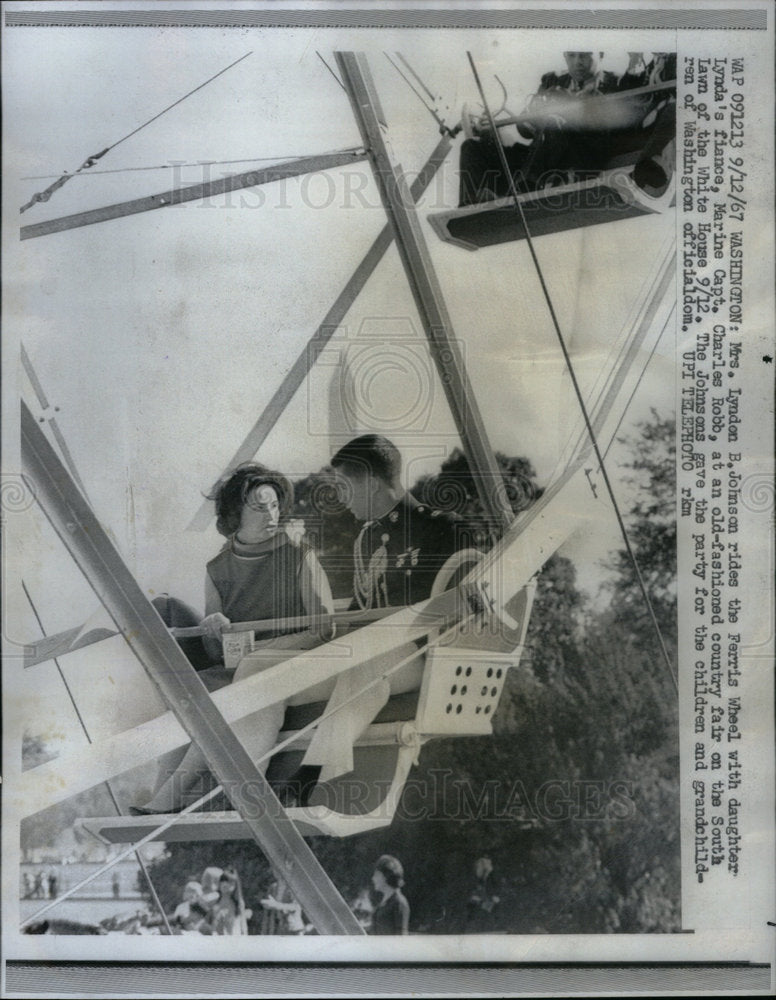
point(446, 516)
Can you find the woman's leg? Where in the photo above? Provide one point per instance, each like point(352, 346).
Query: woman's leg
point(192, 778)
point(187, 783)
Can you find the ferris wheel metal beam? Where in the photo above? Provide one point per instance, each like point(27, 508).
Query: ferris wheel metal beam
point(195, 192)
point(532, 538)
point(186, 695)
point(424, 284)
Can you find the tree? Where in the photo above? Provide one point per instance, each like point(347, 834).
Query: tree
point(329, 527)
point(651, 526)
point(453, 489)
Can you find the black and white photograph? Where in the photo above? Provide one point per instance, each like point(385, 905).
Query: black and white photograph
point(387, 498)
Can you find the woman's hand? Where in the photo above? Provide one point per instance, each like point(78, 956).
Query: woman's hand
point(214, 625)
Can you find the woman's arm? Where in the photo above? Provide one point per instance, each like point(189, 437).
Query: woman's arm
point(316, 594)
point(214, 619)
point(314, 586)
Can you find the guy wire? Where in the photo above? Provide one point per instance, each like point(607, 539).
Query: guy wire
point(91, 160)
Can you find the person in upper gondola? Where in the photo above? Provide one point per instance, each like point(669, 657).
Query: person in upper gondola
point(562, 134)
point(655, 135)
point(262, 572)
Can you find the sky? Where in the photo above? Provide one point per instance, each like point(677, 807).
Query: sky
point(161, 336)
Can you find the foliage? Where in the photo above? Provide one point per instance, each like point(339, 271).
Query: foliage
point(454, 489)
point(329, 527)
point(57, 828)
point(651, 531)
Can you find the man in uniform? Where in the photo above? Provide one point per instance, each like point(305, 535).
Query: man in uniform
point(397, 555)
point(403, 543)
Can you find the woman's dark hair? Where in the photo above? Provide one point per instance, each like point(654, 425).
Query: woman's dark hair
point(231, 493)
point(371, 453)
point(391, 869)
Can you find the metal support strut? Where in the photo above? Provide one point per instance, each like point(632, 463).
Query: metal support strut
point(184, 692)
point(424, 284)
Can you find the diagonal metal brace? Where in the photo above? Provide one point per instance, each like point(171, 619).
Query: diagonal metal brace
point(195, 192)
point(331, 322)
point(424, 285)
point(176, 679)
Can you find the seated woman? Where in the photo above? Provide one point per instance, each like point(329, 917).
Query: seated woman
point(260, 573)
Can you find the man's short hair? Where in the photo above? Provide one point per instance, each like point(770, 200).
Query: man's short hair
point(370, 453)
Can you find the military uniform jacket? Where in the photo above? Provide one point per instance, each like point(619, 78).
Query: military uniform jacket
point(398, 556)
point(604, 83)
